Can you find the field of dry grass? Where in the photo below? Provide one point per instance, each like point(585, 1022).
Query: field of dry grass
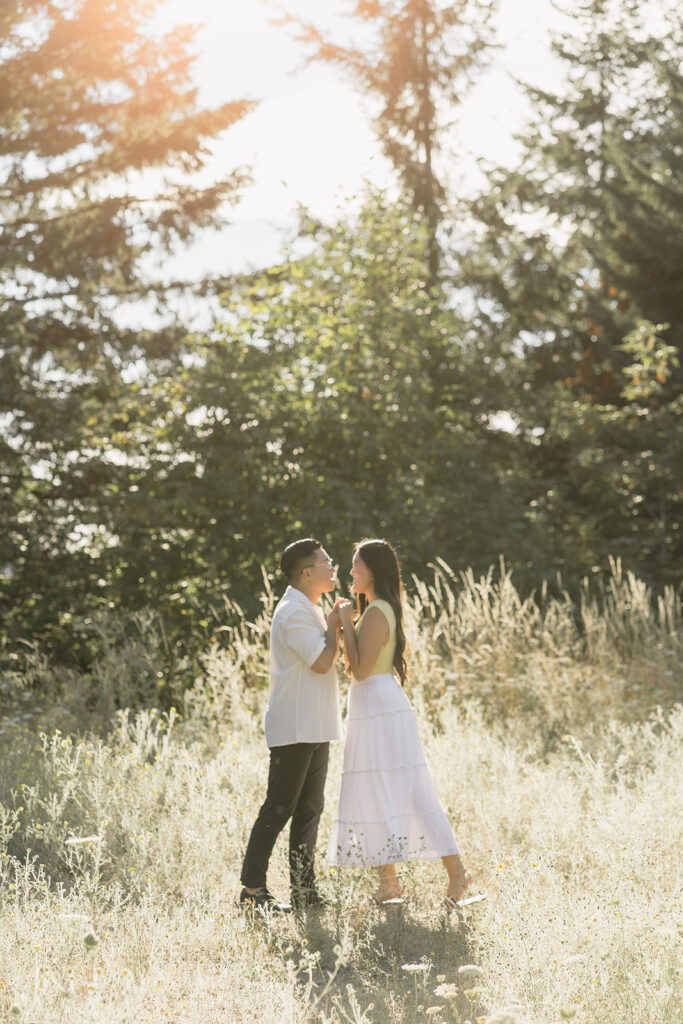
point(554, 738)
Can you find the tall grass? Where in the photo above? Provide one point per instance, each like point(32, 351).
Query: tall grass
point(558, 762)
point(545, 658)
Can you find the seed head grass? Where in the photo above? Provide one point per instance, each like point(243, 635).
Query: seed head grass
point(554, 739)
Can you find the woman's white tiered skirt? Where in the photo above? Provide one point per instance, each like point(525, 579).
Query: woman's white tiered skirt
point(388, 808)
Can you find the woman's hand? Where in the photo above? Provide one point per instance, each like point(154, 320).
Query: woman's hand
point(345, 611)
point(335, 613)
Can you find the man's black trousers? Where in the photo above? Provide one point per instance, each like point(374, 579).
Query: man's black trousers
point(296, 784)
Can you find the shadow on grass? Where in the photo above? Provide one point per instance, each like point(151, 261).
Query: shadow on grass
point(355, 959)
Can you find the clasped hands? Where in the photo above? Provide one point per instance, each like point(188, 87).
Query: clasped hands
point(341, 615)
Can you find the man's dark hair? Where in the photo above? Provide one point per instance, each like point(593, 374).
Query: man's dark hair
point(296, 555)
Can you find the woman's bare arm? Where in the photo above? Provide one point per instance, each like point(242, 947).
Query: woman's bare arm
point(362, 648)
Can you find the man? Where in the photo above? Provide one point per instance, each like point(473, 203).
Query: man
point(302, 717)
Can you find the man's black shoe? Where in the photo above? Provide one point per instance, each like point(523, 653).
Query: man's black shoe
point(310, 898)
point(263, 899)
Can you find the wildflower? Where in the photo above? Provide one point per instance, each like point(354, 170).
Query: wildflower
point(90, 940)
point(469, 973)
point(432, 1010)
point(414, 968)
point(82, 840)
point(446, 991)
point(473, 993)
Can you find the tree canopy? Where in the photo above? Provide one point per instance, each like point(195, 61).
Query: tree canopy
point(520, 396)
point(100, 131)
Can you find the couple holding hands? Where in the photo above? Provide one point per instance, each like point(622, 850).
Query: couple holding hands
point(388, 809)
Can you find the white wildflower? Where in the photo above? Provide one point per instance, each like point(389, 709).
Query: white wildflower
point(446, 991)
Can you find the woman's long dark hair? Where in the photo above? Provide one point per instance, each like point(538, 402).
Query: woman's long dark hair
point(382, 561)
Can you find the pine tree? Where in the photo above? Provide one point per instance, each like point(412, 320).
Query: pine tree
point(425, 55)
point(549, 231)
point(578, 250)
point(100, 131)
point(641, 238)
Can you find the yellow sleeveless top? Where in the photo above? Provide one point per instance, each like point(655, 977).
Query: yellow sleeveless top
point(385, 658)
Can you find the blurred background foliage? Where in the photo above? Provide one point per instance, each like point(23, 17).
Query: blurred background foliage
point(467, 377)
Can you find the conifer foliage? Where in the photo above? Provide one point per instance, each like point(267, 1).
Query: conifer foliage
point(578, 256)
point(424, 56)
point(100, 129)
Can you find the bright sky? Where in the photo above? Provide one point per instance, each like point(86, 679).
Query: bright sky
point(310, 139)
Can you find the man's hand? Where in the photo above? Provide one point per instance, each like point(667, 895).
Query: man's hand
point(333, 620)
point(332, 630)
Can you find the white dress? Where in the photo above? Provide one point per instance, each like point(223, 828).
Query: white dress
point(388, 807)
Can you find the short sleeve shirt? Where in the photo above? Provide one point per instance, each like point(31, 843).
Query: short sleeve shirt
point(303, 705)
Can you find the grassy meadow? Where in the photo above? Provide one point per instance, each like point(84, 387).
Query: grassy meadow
point(553, 729)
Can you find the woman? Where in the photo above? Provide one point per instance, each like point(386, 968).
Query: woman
point(388, 808)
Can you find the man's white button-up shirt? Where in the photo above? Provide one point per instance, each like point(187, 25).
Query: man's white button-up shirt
point(303, 706)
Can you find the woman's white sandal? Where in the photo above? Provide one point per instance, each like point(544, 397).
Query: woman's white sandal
point(452, 904)
point(388, 900)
